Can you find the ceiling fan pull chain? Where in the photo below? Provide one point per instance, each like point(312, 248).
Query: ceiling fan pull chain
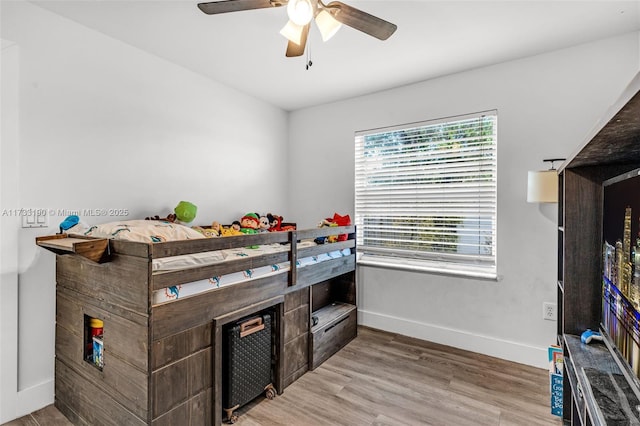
point(309, 62)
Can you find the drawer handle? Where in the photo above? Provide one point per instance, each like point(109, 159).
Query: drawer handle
point(338, 322)
point(251, 326)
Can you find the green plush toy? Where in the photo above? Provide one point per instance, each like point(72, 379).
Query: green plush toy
point(185, 211)
point(249, 224)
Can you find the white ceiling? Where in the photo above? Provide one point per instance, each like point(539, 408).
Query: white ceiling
point(245, 50)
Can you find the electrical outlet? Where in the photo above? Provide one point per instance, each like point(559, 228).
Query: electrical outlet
point(549, 311)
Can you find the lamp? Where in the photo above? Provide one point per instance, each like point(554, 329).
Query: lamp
point(292, 32)
point(327, 24)
point(300, 14)
point(300, 11)
point(542, 186)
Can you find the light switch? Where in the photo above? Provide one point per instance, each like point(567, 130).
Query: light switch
point(35, 218)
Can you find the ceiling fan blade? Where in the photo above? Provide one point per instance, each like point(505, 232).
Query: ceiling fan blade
point(224, 6)
point(298, 49)
point(362, 21)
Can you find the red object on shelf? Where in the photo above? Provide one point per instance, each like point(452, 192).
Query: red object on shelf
point(96, 326)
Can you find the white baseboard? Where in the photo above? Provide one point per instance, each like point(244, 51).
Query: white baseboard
point(34, 398)
point(504, 349)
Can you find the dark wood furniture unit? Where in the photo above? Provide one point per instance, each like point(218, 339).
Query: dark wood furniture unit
point(163, 363)
point(334, 317)
point(612, 148)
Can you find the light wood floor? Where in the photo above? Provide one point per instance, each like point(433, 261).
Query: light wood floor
point(386, 379)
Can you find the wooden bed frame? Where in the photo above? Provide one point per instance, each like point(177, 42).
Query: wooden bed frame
point(163, 363)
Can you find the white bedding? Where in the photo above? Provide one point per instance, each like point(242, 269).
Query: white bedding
point(186, 261)
point(172, 293)
point(146, 231)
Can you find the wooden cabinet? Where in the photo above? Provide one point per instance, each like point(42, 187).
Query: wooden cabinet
point(318, 322)
point(334, 317)
point(335, 328)
point(613, 148)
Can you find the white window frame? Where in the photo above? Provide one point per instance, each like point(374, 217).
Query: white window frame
point(431, 204)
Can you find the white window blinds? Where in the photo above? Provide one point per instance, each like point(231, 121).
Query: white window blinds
point(425, 195)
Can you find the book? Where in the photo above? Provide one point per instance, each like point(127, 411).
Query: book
point(556, 369)
point(556, 394)
point(556, 360)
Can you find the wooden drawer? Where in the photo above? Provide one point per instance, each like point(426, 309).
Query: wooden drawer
point(337, 326)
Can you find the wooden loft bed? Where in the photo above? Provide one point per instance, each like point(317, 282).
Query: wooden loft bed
point(163, 361)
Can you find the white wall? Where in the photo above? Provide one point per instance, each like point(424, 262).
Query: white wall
point(9, 58)
point(546, 104)
point(105, 125)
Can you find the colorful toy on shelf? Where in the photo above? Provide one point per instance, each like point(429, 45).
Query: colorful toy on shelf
point(209, 231)
point(249, 223)
point(265, 224)
point(336, 220)
point(276, 224)
point(230, 231)
point(589, 335)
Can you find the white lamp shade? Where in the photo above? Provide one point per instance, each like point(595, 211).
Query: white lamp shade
point(300, 11)
point(292, 32)
point(327, 25)
point(542, 187)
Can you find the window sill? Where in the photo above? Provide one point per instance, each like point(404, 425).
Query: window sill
point(416, 266)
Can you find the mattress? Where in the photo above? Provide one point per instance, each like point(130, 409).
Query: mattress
point(180, 291)
point(186, 261)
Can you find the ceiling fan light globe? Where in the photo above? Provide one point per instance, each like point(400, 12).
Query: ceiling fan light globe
point(292, 32)
point(300, 11)
point(327, 25)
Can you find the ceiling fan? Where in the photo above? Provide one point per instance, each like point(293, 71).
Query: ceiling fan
point(329, 18)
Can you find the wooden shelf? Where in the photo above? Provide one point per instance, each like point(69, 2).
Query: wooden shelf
point(92, 248)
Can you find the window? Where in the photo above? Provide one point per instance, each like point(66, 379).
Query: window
point(426, 195)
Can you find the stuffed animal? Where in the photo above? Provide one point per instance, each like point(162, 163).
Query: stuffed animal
point(229, 231)
point(185, 211)
point(329, 239)
point(169, 218)
point(276, 225)
point(216, 227)
point(264, 224)
point(334, 221)
point(209, 232)
point(274, 222)
point(249, 223)
point(342, 221)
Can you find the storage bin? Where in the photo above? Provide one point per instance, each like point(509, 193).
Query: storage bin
point(337, 326)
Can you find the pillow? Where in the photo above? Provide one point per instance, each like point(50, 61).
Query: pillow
point(146, 231)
